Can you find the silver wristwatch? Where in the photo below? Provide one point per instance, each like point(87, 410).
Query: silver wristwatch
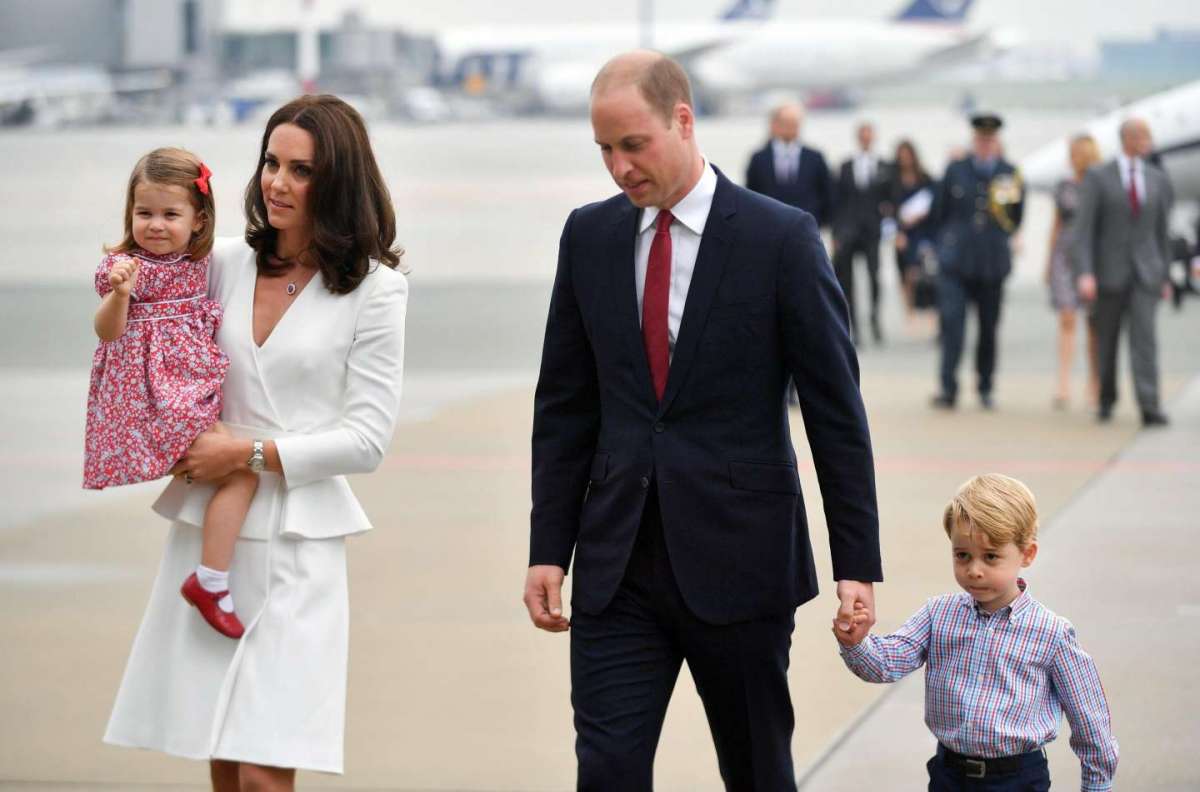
point(258, 460)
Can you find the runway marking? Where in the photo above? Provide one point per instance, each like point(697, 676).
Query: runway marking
point(899, 464)
point(888, 464)
point(51, 574)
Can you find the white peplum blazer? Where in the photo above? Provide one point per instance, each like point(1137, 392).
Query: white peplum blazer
point(325, 386)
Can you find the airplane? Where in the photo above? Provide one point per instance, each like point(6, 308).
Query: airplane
point(744, 51)
point(51, 95)
point(1174, 119)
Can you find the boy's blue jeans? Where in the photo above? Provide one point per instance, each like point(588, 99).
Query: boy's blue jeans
point(1032, 776)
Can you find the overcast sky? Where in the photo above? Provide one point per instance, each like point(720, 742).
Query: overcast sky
point(1077, 24)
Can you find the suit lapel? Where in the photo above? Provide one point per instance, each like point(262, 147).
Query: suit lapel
point(772, 173)
point(715, 247)
point(624, 293)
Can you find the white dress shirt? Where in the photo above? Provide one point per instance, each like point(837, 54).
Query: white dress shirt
point(690, 214)
point(864, 169)
point(787, 160)
point(1139, 176)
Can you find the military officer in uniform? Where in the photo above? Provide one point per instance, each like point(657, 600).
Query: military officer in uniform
point(977, 207)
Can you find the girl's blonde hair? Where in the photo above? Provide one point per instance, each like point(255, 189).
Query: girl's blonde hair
point(1002, 508)
point(172, 167)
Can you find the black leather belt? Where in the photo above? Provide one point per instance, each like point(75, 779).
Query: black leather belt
point(973, 767)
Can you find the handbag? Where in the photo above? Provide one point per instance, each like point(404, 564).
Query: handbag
point(925, 291)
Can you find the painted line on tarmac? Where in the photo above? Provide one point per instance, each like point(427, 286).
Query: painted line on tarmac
point(889, 464)
point(59, 574)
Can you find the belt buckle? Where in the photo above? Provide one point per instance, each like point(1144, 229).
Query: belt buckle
point(974, 768)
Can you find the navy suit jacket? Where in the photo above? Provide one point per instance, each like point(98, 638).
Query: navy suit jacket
point(812, 190)
point(763, 307)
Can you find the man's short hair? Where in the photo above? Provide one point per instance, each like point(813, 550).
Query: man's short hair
point(1000, 507)
point(1128, 125)
point(779, 110)
point(662, 82)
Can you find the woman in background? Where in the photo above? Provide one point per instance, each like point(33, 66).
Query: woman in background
point(913, 234)
point(1084, 153)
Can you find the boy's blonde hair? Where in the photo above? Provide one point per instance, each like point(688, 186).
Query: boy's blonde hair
point(999, 506)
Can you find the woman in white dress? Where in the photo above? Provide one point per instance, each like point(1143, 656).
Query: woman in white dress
point(314, 330)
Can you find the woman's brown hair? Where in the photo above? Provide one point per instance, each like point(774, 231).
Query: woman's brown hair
point(352, 216)
point(918, 169)
point(172, 167)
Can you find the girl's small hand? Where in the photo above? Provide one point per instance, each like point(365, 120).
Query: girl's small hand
point(123, 276)
point(213, 456)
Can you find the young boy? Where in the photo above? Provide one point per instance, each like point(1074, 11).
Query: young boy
point(1000, 669)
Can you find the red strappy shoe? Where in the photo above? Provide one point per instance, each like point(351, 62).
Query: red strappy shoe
point(228, 624)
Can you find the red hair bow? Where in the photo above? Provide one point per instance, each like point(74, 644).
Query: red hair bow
point(202, 182)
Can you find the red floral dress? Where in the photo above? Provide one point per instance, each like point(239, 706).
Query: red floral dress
point(158, 386)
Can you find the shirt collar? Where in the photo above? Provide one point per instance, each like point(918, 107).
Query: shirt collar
point(1015, 608)
point(1126, 161)
point(786, 146)
point(693, 210)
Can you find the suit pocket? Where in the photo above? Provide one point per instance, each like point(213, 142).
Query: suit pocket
point(740, 309)
point(599, 470)
point(765, 477)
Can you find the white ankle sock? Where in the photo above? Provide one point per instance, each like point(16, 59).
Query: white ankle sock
point(214, 580)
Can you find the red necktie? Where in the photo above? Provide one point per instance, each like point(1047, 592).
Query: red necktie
point(1135, 205)
point(655, 301)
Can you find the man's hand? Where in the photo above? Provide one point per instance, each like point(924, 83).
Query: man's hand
point(858, 627)
point(853, 593)
point(1087, 287)
point(543, 597)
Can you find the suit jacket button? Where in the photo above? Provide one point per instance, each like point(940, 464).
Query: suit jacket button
point(645, 482)
point(659, 427)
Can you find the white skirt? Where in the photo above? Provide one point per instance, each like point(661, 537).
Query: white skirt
point(276, 697)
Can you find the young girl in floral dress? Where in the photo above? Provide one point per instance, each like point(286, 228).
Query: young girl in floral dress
point(157, 372)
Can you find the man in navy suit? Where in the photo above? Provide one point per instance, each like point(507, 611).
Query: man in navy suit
point(662, 455)
point(791, 172)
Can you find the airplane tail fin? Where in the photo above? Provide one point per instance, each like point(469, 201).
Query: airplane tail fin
point(935, 11)
point(749, 9)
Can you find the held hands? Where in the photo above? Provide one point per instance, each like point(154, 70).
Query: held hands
point(123, 276)
point(856, 613)
point(543, 597)
point(859, 627)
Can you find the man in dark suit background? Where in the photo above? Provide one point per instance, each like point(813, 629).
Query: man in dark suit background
point(862, 190)
point(789, 171)
point(662, 454)
point(1121, 257)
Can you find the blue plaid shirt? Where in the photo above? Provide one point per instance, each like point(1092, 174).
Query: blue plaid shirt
point(998, 684)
